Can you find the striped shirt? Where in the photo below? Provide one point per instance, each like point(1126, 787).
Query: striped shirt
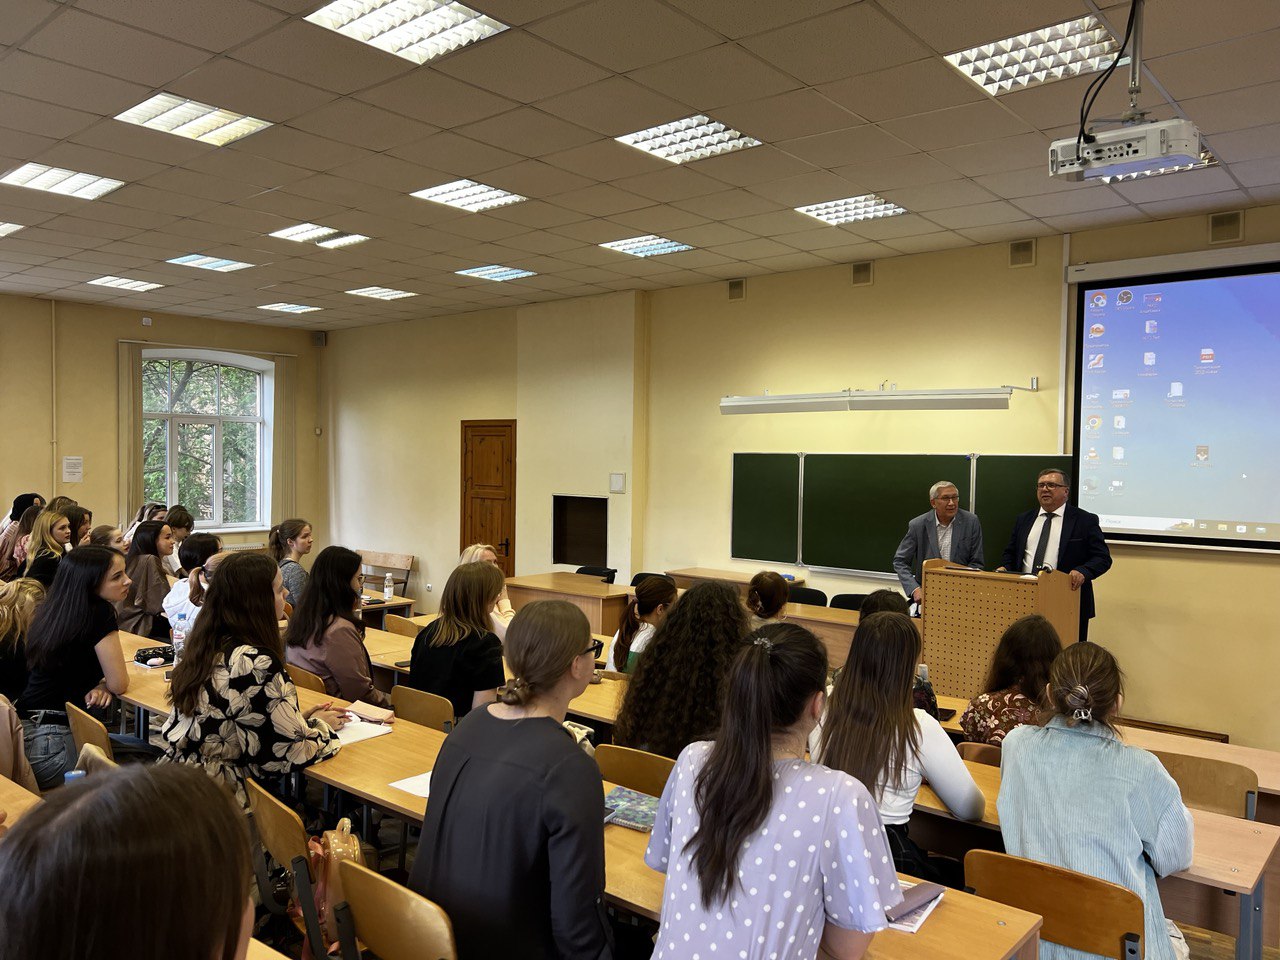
point(1077, 797)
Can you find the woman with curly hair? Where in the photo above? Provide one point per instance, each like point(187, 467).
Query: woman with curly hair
point(675, 694)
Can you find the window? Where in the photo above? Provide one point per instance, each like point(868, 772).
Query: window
point(206, 436)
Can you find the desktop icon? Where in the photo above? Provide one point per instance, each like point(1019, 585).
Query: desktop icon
point(1149, 358)
point(1151, 327)
point(1117, 453)
point(1093, 423)
point(1152, 299)
point(1175, 389)
point(1091, 485)
point(1092, 454)
point(1203, 525)
point(1206, 354)
point(1092, 397)
point(1096, 330)
point(1259, 529)
point(1122, 394)
point(1202, 453)
point(1118, 422)
point(1117, 484)
point(1098, 300)
point(1125, 296)
point(1095, 361)
point(1241, 528)
point(1222, 528)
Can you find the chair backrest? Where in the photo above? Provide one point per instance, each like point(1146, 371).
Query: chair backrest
point(93, 760)
point(634, 769)
point(806, 595)
point(393, 921)
point(86, 729)
point(288, 609)
point(980, 753)
point(380, 564)
point(848, 601)
point(635, 581)
point(1214, 785)
point(1079, 911)
point(279, 828)
point(418, 706)
point(305, 679)
point(401, 625)
point(606, 574)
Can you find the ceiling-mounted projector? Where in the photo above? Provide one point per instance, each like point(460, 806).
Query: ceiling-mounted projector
point(1134, 149)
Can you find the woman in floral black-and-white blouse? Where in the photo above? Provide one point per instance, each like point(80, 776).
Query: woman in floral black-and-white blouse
point(235, 710)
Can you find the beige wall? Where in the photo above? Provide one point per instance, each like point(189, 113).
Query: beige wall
point(85, 392)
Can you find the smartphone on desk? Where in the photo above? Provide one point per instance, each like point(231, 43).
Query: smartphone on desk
point(168, 676)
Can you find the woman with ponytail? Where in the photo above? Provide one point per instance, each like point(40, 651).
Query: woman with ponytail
point(1073, 795)
point(288, 542)
point(765, 853)
point(194, 554)
point(512, 846)
point(645, 611)
point(766, 598)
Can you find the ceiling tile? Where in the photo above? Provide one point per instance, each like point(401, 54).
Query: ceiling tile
point(901, 91)
point(19, 17)
point(904, 225)
point(734, 19)
point(519, 66)
point(455, 154)
point(614, 106)
point(31, 116)
point(939, 196)
point(609, 160)
point(73, 156)
point(298, 149)
point(756, 165)
point(340, 191)
point(247, 168)
point(1004, 232)
point(534, 178)
point(1251, 144)
point(1251, 173)
point(210, 26)
point(623, 35)
point(436, 99)
point(69, 223)
point(910, 171)
point(134, 141)
point(521, 11)
point(391, 172)
point(114, 49)
point(928, 243)
point(323, 58)
point(978, 215)
point(793, 261)
point(600, 200)
point(979, 122)
point(777, 224)
point(528, 132)
point(949, 27)
point(1235, 109)
point(590, 231)
point(815, 187)
point(993, 156)
point(1081, 200)
point(66, 85)
point(536, 214)
point(841, 147)
point(1073, 223)
point(675, 183)
point(729, 204)
point(109, 212)
point(361, 124)
point(1050, 105)
point(290, 206)
point(658, 219)
point(711, 235)
point(1025, 183)
point(248, 90)
point(540, 242)
point(1185, 184)
point(799, 113)
point(1244, 62)
point(16, 144)
point(714, 77)
point(854, 39)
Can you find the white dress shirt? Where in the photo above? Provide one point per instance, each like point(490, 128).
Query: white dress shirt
point(944, 537)
point(1055, 538)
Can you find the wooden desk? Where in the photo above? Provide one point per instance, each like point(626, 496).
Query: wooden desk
point(1230, 854)
point(959, 705)
point(260, 951)
point(833, 626)
point(603, 603)
point(692, 576)
point(375, 609)
point(15, 800)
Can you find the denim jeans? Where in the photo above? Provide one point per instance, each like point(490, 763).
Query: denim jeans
point(50, 748)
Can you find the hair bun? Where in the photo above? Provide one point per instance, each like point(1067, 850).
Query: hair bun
point(1078, 697)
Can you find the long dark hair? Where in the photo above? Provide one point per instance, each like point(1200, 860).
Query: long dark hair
point(144, 540)
point(22, 502)
point(676, 693)
point(1023, 657)
point(771, 680)
point(83, 841)
point(66, 608)
point(80, 518)
point(651, 593)
point(280, 535)
point(328, 596)
point(240, 608)
point(871, 731)
point(194, 551)
point(767, 594)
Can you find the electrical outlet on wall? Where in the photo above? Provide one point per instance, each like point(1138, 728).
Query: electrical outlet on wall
point(617, 483)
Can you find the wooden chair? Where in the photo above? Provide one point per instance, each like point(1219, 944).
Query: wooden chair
point(401, 625)
point(305, 679)
point(391, 920)
point(288, 609)
point(1079, 911)
point(281, 834)
point(634, 769)
point(378, 565)
point(418, 706)
point(86, 729)
point(1214, 785)
point(980, 753)
point(93, 760)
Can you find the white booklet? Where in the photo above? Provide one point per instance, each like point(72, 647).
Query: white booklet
point(419, 786)
point(913, 921)
point(356, 730)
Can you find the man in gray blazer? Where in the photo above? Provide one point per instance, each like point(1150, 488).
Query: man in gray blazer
point(946, 531)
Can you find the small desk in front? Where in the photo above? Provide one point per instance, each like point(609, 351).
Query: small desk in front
point(603, 603)
point(692, 576)
point(15, 800)
point(374, 609)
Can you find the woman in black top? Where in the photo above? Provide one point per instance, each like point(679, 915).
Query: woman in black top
point(458, 655)
point(73, 650)
point(512, 845)
point(47, 546)
point(18, 601)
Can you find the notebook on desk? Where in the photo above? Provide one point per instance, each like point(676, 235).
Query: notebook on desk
point(632, 809)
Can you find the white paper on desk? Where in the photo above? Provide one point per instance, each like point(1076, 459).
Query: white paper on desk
point(356, 730)
point(419, 786)
point(913, 921)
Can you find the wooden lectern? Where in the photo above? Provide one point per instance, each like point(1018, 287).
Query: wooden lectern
point(966, 612)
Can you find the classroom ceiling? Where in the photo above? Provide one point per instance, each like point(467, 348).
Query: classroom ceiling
point(847, 98)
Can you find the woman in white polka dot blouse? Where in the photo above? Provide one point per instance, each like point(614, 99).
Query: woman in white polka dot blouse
point(768, 856)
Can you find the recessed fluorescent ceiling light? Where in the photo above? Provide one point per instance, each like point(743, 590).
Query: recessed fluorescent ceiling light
point(1041, 56)
point(381, 293)
point(192, 119)
point(418, 30)
point(288, 308)
point(1207, 159)
point(693, 138)
point(496, 272)
point(321, 236)
point(209, 263)
point(468, 195)
point(342, 240)
point(8, 228)
point(866, 207)
point(649, 246)
point(85, 186)
point(126, 284)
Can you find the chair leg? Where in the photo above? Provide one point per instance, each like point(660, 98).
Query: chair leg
point(346, 932)
point(306, 897)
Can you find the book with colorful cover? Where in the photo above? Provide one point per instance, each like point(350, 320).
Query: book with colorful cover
point(632, 809)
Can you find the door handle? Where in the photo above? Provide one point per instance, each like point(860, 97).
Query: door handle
point(506, 546)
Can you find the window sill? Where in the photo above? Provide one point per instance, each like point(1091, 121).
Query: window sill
point(225, 531)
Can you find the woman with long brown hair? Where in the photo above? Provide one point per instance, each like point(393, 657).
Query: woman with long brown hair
point(1015, 684)
point(287, 543)
point(457, 655)
point(675, 695)
point(645, 612)
point(872, 732)
point(818, 875)
point(767, 598)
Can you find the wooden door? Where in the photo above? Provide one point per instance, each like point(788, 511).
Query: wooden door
point(489, 488)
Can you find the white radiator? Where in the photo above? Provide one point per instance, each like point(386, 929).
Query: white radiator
point(238, 547)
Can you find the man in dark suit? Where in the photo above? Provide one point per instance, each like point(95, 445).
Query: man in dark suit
point(945, 531)
point(1058, 536)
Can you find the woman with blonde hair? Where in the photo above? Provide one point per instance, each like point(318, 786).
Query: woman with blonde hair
point(18, 600)
point(48, 543)
point(457, 655)
point(502, 610)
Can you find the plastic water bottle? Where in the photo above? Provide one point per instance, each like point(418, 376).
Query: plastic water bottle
point(388, 587)
point(72, 776)
point(179, 635)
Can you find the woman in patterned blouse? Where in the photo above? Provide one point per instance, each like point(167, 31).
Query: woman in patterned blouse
point(1015, 685)
point(235, 710)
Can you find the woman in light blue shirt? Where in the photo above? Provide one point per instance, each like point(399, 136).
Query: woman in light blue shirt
point(1073, 795)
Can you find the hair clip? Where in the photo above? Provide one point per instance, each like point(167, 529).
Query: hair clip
point(762, 642)
point(1085, 714)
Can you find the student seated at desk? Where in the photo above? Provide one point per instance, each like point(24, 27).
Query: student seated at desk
point(142, 610)
point(151, 510)
point(80, 520)
point(73, 650)
point(512, 846)
point(324, 635)
point(18, 601)
point(288, 542)
point(235, 710)
point(186, 594)
point(821, 877)
point(150, 863)
point(674, 696)
point(872, 732)
point(47, 546)
point(181, 523)
point(1019, 671)
point(1073, 795)
point(645, 611)
point(766, 598)
point(457, 655)
point(105, 535)
point(14, 542)
point(502, 610)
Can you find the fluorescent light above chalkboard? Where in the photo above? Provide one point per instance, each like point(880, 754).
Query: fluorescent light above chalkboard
point(981, 398)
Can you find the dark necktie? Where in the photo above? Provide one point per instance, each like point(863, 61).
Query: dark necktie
point(1042, 545)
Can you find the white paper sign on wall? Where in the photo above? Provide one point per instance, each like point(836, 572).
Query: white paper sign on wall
point(72, 469)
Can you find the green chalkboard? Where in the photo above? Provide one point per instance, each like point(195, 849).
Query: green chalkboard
point(1006, 487)
point(856, 506)
point(766, 501)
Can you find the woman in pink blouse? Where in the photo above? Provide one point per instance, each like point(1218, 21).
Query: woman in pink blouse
point(1015, 685)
